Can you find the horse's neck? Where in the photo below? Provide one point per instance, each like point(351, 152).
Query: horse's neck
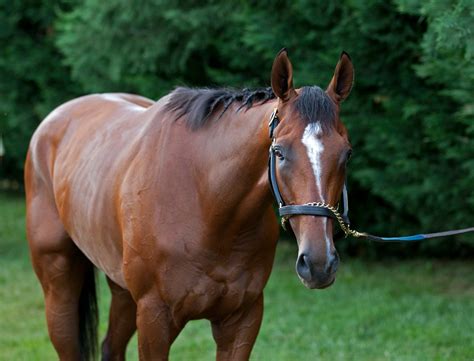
point(237, 168)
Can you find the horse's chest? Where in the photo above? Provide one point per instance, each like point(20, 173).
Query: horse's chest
point(199, 273)
point(214, 298)
point(209, 285)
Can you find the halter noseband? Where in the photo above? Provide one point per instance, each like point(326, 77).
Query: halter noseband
point(309, 209)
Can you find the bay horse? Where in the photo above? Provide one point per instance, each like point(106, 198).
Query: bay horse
point(171, 200)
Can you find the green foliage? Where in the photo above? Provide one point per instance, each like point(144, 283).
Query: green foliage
point(410, 115)
point(146, 47)
point(32, 78)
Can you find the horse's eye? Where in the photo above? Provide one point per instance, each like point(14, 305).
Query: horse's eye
point(278, 152)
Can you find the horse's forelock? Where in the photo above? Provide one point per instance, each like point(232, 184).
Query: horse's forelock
point(315, 106)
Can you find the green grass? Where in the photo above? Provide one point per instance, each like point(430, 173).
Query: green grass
point(387, 310)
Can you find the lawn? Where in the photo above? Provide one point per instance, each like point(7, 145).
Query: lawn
point(387, 310)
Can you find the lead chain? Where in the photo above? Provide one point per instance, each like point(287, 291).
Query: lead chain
point(345, 227)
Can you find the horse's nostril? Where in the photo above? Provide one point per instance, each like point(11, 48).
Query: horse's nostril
point(303, 267)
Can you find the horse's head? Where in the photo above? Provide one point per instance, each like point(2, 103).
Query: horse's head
point(312, 148)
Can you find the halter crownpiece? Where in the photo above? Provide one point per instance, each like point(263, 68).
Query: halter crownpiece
point(321, 209)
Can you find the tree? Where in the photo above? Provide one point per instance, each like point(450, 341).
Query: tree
point(33, 79)
point(410, 114)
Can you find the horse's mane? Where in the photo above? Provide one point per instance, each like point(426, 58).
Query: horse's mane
point(199, 104)
point(196, 105)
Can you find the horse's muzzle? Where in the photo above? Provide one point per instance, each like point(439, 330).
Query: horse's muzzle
point(314, 276)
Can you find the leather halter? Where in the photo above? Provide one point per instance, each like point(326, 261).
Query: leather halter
point(325, 210)
point(309, 209)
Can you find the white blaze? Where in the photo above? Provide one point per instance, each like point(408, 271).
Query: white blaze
point(314, 148)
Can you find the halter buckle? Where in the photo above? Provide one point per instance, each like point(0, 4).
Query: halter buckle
point(273, 123)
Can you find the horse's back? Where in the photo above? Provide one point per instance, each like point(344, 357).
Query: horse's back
point(51, 131)
point(77, 158)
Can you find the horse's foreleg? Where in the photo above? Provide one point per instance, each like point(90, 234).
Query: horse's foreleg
point(122, 323)
point(156, 329)
point(235, 336)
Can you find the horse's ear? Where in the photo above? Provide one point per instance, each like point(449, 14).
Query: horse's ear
point(282, 76)
point(341, 83)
